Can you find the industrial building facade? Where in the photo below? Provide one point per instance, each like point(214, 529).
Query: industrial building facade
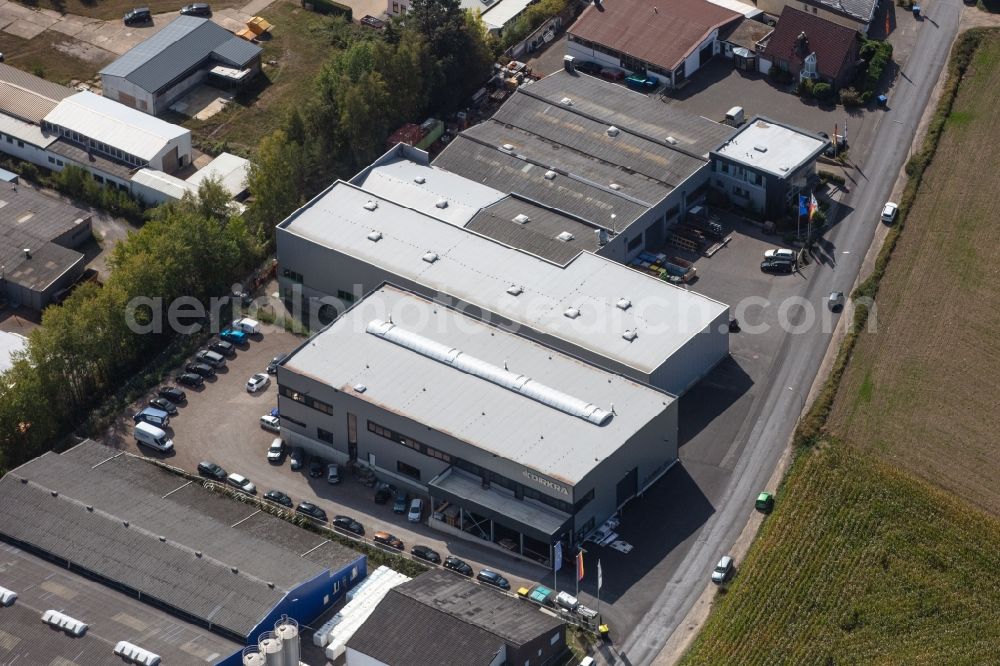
point(512, 440)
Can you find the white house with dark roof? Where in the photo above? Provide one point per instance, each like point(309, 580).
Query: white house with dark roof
point(154, 74)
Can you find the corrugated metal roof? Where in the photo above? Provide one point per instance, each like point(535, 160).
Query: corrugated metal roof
point(500, 13)
point(834, 44)
point(190, 520)
point(27, 96)
point(182, 45)
point(475, 410)
point(479, 271)
point(230, 169)
point(25, 131)
point(115, 124)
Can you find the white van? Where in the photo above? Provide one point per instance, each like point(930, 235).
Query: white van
point(152, 437)
point(247, 325)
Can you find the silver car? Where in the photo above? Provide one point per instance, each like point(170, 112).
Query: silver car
point(723, 570)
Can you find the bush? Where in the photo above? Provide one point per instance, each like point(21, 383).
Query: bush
point(329, 7)
point(806, 87)
point(850, 97)
point(822, 90)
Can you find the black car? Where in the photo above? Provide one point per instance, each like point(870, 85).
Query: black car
point(223, 347)
point(173, 394)
point(493, 578)
point(458, 566)
point(278, 497)
point(202, 369)
point(165, 405)
point(311, 510)
point(402, 502)
point(138, 16)
point(197, 9)
point(211, 471)
point(588, 67)
point(316, 470)
point(425, 553)
point(348, 524)
point(272, 367)
point(384, 492)
point(190, 380)
point(777, 266)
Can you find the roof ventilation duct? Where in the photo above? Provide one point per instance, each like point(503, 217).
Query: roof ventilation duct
point(515, 290)
point(521, 218)
point(630, 334)
point(375, 236)
point(419, 180)
point(572, 313)
point(371, 205)
point(565, 236)
point(613, 131)
point(136, 654)
point(430, 257)
point(441, 203)
point(59, 620)
point(623, 304)
point(566, 101)
point(550, 175)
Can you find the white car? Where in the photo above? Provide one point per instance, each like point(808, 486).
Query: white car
point(276, 452)
point(332, 474)
point(271, 423)
point(258, 382)
point(889, 212)
point(241, 482)
point(416, 511)
point(780, 253)
point(723, 570)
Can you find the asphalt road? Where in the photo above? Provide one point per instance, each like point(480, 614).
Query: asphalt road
point(772, 417)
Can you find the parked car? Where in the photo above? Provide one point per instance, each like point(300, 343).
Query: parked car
point(780, 253)
point(202, 369)
point(173, 394)
point(425, 553)
point(777, 266)
point(164, 406)
point(493, 578)
point(311, 510)
point(222, 347)
point(278, 497)
point(297, 456)
point(387, 539)
point(209, 357)
point(315, 468)
point(458, 566)
point(271, 423)
point(612, 73)
point(764, 503)
point(349, 524)
point(723, 570)
point(152, 437)
point(196, 9)
point(276, 452)
point(588, 67)
point(383, 492)
point(211, 471)
point(241, 482)
point(332, 474)
point(233, 336)
point(190, 379)
point(258, 382)
point(644, 82)
point(889, 212)
point(835, 301)
point(401, 503)
point(416, 512)
point(272, 367)
point(138, 16)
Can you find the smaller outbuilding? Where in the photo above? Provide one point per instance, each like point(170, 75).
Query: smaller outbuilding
point(811, 47)
point(767, 165)
point(10, 345)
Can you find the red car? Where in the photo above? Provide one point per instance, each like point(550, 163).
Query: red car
point(612, 74)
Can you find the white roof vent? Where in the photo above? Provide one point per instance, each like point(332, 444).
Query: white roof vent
point(671, 140)
point(550, 174)
point(508, 147)
point(430, 257)
point(565, 236)
point(136, 654)
point(7, 597)
point(630, 334)
point(441, 203)
point(371, 205)
point(374, 236)
point(615, 186)
point(623, 304)
point(613, 131)
point(65, 622)
point(760, 148)
point(419, 180)
point(572, 313)
point(566, 101)
point(521, 218)
point(515, 290)
point(360, 388)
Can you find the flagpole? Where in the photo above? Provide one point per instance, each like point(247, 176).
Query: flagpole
point(599, 581)
point(577, 576)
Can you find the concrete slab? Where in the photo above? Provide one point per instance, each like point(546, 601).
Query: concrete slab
point(85, 51)
point(70, 28)
point(43, 18)
point(202, 102)
point(24, 29)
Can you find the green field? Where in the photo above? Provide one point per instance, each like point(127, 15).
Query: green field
point(885, 544)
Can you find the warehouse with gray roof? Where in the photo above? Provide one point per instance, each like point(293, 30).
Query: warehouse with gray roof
point(155, 73)
point(510, 438)
point(170, 543)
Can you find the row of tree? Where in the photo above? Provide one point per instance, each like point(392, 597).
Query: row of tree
point(85, 350)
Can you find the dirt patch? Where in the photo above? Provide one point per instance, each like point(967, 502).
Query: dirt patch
point(83, 51)
point(54, 56)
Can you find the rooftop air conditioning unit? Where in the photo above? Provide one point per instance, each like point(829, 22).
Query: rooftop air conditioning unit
point(136, 654)
point(430, 257)
point(59, 620)
point(419, 180)
point(623, 304)
point(572, 313)
point(565, 236)
point(550, 174)
point(441, 203)
point(375, 236)
point(613, 131)
point(521, 218)
point(515, 290)
point(630, 335)
point(371, 205)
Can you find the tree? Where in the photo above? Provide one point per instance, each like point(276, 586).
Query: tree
point(276, 176)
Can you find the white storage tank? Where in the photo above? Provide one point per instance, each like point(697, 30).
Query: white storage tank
point(287, 631)
point(252, 656)
point(271, 647)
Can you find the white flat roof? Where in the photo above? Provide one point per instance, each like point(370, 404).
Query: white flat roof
point(748, 11)
point(536, 425)
point(231, 169)
point(442, 194)
point(115, 124)
point(497, 16)
point(480, 271)
point(163, 182)
point(784, 149)
point(10, 343)
point(28, 132)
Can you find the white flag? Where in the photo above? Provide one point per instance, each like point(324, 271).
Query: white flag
point(600, 579)
point(558, 557)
